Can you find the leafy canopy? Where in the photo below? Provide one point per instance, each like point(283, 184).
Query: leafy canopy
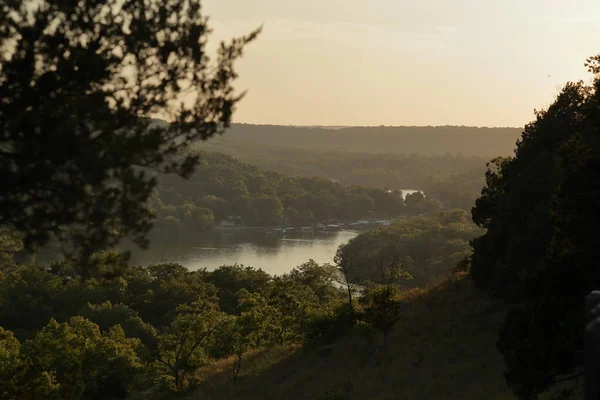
point(539, 251)
point(78, 81)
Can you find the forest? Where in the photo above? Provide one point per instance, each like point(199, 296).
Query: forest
point(419, 250)
point(460, 178)
point(424, 140)
point(141, 332)
point(475, 290)
point(223, 187)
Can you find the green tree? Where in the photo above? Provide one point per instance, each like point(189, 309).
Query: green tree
point(242, 206)
point(269, 210)
point(83, 362)
point(320, 278)
point(197, 218)
point(229, 279)
point(220, 207)
point(189, 340)
point(157, 292)
point(288, 311)
point(356, 205)
point(425, 247)
point(18, 378)
point(251, 329)
point(77, 82)
point(417, 203)
point(10, 245)
point(381, 308)
point(108, 315)
point(322, 204)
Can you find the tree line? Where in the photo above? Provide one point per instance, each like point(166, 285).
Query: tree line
point(223, 186)
point(454, 180)
point(426, 140)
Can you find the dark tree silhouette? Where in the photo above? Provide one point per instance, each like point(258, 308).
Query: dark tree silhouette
point(540, 210)
point(78, 83)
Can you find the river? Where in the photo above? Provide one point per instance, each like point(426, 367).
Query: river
point(273, 254)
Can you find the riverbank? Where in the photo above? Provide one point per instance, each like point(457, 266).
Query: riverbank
point(319, 227)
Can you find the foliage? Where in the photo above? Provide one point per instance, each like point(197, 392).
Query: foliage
point(311, 147)
point(289, 311)
point(10, 245)
point(153, 326)
point(326, 325)
point(442, 349)
point(187, 343)
point(425, 247)
point(458, 190)
point(72, 360)
point(381, 308)
point(77, 81)
point(228, 187)
point(231, 279)
point(540, 212)
point(409, 161)
point(417, 203)
point(156, 292)
point(107, 315)
point(251, 329)
point(319, 278)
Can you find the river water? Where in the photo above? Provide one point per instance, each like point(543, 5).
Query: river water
point(274, 254)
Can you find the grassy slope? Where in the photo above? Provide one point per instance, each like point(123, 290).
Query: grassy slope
point(443, 348)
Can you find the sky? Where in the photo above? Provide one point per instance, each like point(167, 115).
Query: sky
point(398, 62)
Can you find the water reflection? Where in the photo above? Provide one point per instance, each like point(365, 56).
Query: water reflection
point(274, 254)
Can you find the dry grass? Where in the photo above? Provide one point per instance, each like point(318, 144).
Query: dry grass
point(443, 348)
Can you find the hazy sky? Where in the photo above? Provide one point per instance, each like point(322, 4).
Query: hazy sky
point(398, 62)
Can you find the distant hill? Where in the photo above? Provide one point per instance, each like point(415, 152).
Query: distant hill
point(426, 140)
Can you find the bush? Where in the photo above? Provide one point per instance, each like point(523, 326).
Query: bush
point(326, 327)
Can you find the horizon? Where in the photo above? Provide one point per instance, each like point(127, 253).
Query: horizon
point(378, 126)
point(399, 63)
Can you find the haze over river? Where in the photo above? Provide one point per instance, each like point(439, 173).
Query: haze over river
point(276, 255)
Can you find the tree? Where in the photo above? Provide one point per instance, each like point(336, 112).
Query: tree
point(425, 247)
point(322, 204)
point(539, 251)
point(269, 210)
point(10, 244)
point(320, 278)
point(198, 218)
point(187, 344)
point(356, 205)
point(82, 361)
point(288, 310)
point(346, 267)
point(157, 292)
point(417, 203)
point(108, 315)
point(220, 207)
point(78, 81)
point(382, 310)
point(17, 379)
point(251, 329)
point(242, 206)
point(232, 278)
